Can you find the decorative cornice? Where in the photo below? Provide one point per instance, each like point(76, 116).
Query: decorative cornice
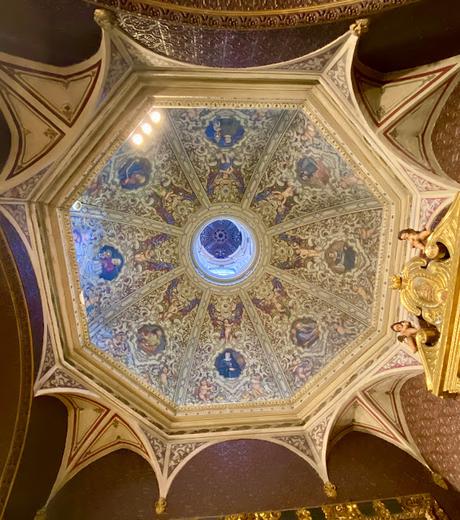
point(227, 14)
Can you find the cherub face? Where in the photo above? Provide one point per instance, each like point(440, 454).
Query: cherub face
point(397, 327)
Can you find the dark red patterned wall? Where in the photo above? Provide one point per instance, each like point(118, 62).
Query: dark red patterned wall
point(446, 136)
point(435, 426)
point(40, 459)
point(363, 467)
point(120, 486)
point(244, 475)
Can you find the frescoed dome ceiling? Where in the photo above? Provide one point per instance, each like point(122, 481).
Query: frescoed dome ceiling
point(229, 257)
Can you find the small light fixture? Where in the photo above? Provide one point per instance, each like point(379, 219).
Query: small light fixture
point(137, 139)
point(155, 116)
point(146, 128)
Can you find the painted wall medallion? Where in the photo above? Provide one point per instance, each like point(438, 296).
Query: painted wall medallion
point(230, 363)
point(340, 257)
point(304, 332)
point(312, 172)
point(225, 130)
point(135, 173)
point(151, 339)
point(111, 262)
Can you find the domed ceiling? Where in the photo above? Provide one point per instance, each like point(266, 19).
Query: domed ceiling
point(227, 257)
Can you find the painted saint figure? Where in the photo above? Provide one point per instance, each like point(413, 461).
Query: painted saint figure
point(230, 363)
point(340, 257)
point(304, 332)
point(111, 261)
point(417, 239)
point(225, 131)
point(151, 339)
point(312, 172)
point(135, 173)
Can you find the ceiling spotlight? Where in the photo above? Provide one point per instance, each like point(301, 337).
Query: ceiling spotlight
point(155, 116)
point(146, 128)
point(137, 139)
point(76, 206)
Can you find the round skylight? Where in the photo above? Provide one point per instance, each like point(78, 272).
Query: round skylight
point(223, 251)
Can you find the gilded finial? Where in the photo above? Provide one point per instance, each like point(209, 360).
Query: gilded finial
point(396, 281)
point(439, 481)
point(160, 506)
point(330, 489)
point(40, 514)
point(105, 19)
point(360, 26)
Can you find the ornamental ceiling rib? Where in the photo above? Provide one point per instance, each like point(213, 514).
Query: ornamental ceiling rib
point(324, 214)
point(113, 215)
point(186, 366)
point(331, 299)
point(184, 160)
point(273, 142)
point(277, 370)
point(132, 299)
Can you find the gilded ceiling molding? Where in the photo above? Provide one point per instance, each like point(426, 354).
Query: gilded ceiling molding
point(48, 361)
point(227, 14)
point(45, 108)
point(17, 214)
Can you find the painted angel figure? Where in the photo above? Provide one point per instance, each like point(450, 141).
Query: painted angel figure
point(226, 325)
point(282, 199)
point(274, 302)
point(173, 310)
point(417, 239)
point(145, 255)
point(305, 251)
point(226, 172)
point(205, 389)
point(174, 194)
point(157, 202)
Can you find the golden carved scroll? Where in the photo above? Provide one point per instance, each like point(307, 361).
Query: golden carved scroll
point(430, 288)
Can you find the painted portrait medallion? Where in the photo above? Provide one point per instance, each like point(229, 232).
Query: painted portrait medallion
point(151, 339)
point(110, 261)
point(340, 257)
point(304, 332)
point(230, 363)
point(225, 131)
point(312, 172)
point(135, 173)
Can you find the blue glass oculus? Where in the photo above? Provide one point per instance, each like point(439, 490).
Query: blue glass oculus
point(223, 251)
point(221, 238)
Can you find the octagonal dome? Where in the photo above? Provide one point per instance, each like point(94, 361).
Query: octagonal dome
point(313, 226)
